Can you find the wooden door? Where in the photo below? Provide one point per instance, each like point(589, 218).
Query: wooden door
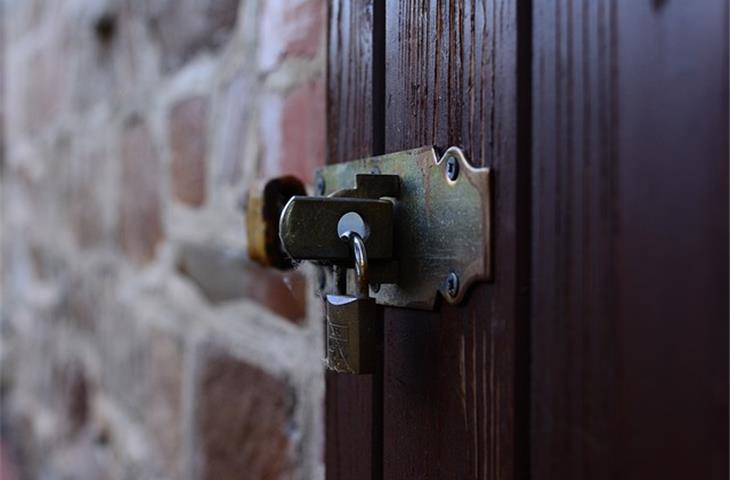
point(600, 349)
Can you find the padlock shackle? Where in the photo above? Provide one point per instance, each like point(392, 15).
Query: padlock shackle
point(361, 262)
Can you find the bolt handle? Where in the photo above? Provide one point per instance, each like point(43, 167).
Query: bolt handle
point(263, 206)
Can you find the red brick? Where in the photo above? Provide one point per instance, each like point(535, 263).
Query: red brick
point(44, 91)
point(243, 420)
point(223, 276)
point(299, 26)
point(84, 203)
point(72, 386)
point(86, 219)
point(307, 19)
point(140, 221)
point(2, 96)
point(188, 137)
point(8, 467)
point(185, 28)
point(142, 369)
point(233, 123)
point(303, 130)
point(82, 299)
point(162, 412)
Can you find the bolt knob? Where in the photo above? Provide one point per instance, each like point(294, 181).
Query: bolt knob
point(264, 204)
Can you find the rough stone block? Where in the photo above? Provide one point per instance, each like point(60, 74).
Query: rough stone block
point(223, 275)
point(293, 131)
point(84, 295)
point(73, 389)
point(188, 136)
point(187, 27)
point(243, 418)
point(142, 371)
point(303, 129)
point(236, 105)
point(140, 220)
point(162, 412)
point(86, 199)
point(44, 90)
point(291, 28)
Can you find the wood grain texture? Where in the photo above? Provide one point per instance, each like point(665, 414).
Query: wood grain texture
point(451, 376)
point(630, 238)
point(350, 80)
point(353, 420)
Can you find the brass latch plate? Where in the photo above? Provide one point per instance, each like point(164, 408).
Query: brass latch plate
point(441, 224)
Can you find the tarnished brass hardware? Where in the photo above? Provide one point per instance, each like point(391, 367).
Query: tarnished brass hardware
point(370, 185)
point(351, 319)
point(441, 224)
point(264, 203)
point(426, 223)
point(309, 227)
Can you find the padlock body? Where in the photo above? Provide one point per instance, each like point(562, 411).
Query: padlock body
point(351, 333)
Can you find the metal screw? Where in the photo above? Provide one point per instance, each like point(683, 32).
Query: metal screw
point(452, 284)
point(375, 171)
point(452, 168)
point(320, 184)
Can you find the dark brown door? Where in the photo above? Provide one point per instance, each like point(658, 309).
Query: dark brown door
point(601, 348)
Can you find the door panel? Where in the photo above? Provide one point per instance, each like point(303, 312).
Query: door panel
point(353, 420)
point(630, 239)
point(451, 376)
point(600, 348)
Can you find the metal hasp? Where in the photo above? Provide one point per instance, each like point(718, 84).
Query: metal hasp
point(428, 220)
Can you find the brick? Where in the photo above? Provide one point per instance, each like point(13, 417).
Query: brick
point(223, 276)
point(2, 98)
point(162, 413)
point(84, 294)
point(140, 221)
point(85, 200)
point(8, 466)
point(106, 60)
point(86, 216)
point(243, 420)
point(236, 106)
point(142, 371)
point(188, 136)
point(99, 382)
point(293, 130)
point(299, 26)
point(44, 90)
point(73, 388)
point(45, 71)
point(307, 20)
point(303, 129)
point(81, 301)
point(269, 129)
point(185, 28)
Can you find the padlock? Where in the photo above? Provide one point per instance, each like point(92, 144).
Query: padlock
point(351, 320)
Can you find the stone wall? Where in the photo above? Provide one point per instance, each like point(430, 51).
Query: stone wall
point(137, 340)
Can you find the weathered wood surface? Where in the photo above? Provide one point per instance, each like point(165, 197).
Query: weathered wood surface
point(353, 403)
point(600, 351)
point(630, 240)
point(452, 377)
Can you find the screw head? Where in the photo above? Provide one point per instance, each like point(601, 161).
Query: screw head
point(319, 184)
point(452, 284)
point(375, 171)
point(452, 168)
